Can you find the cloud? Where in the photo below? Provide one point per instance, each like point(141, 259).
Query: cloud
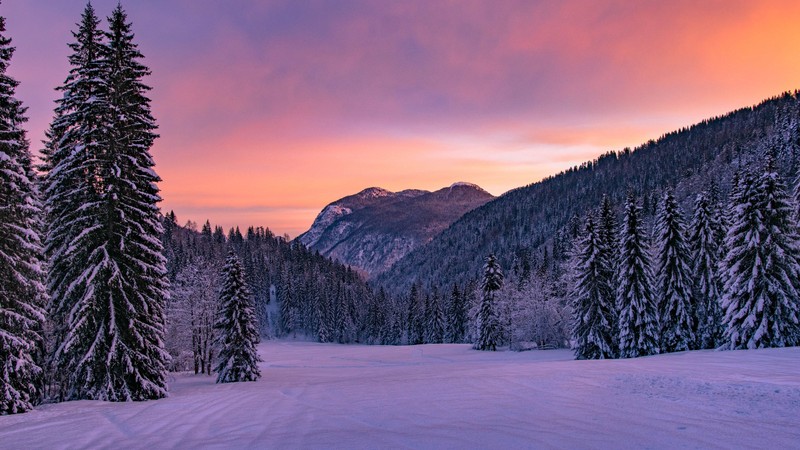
point(290, 105)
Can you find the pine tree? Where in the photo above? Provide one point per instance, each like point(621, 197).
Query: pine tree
point(237, 335)
point(436, 324)
point(22, 292)
point(638, 313)
point(289, 310)
point(488, 322)
point(607, 232)
point(593, 299)
point(674, 283)
point(415, 332)
point(456, 316)
point(107, 279)
point(762, 267)
point(705, 245)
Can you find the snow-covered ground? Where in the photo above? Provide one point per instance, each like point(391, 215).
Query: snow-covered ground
point(448, 396)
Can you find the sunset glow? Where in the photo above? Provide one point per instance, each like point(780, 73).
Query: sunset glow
point(269, 110)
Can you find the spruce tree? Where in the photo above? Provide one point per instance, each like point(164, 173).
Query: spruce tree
point(593, 309)
point(607, 232)
point(436, 323)
point(107, 278)
point(289, 310)
point(22, 292)
point(456, 316)
point(676, 312)
point(704, 244)
point(488, 323)
point(638, 312)
point(237, 335)
point(761, 295)
point(415, 332)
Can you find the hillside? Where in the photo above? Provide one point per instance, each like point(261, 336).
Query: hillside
point(527, 222)
point(447, 396)
point(374, 228)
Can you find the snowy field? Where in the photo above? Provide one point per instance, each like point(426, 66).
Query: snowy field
point(448, 396)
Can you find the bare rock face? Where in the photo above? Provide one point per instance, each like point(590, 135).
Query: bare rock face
point(374, 228)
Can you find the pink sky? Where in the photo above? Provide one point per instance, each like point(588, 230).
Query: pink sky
point(268, 110)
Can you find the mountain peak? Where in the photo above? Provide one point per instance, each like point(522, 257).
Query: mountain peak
point(376, 227)
point(374, 192)
point(465, 184)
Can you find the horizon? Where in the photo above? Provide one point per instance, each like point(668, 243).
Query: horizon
point(306, 104)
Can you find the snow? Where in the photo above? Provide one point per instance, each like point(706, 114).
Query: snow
point(465, 184)
point(448, 396)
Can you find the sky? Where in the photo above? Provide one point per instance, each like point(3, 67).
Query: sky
point(270, 109)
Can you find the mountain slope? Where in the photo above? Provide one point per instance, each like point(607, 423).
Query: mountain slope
point(531, 219)
point(374, 228)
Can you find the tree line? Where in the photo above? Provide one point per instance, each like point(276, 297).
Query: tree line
point(730, 278)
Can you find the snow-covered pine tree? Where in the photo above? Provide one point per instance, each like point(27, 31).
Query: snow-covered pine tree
point(22, 291)
point(593, 309)
point(762, 267)
point(289, 310)
point(456, 316)
point(435, 316)
point(107, 278)
point(674, 282)
point(415, 324)
point(237, 334)
point(608, 228)
point(704, 245)
point(638, 312)
point(489, 332)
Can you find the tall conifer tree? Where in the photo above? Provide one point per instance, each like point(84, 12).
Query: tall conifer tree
point(488, 323)
point(107, 277)
point(761, 297)
point(593, 299)
point(638, 312)
point(436, 323)
point(237, 334)
point(705, 246)
point(415, 324)
point(674, 281)
point(22, 292)
point(456, 316)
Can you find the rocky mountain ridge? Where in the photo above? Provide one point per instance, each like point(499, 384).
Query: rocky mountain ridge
point(374, 228)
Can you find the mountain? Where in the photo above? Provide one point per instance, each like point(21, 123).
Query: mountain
point(374, 228)
point(534, 224)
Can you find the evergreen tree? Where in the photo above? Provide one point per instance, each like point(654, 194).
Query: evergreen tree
point(107, 278)
point(607, 232)
point(593, 299)
point(236, 327)
point(638, 312)
point(289, 310)
point(436, 323)
point(456, 316)
point(674, 281)
point(415, 332)
point(22, 292)
point(762, 267)
point(489, 332)
point(705, 245)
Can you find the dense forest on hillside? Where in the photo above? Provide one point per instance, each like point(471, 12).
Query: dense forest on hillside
point(534, 225)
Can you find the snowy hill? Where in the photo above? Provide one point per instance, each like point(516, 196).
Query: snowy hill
point(374, 228)
point(448, 396)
